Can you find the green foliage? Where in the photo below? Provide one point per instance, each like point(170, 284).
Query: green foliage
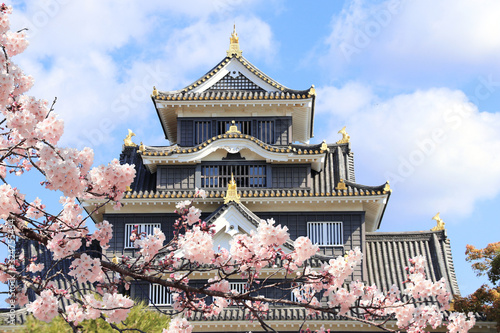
point(140, 317)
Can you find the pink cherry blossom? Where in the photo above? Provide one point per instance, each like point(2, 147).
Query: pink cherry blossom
point(178, 325)
point(197, 246)
point(87, 269)
point(116, 307)
point(151, 244)
point(103, 234)
point(193, 215)
point(44, 307)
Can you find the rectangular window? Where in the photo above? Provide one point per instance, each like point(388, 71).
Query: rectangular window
point(290, 176)
point(159, 295)
point(265, 131)
point(202, 131)
point(176, 178)
point(146, 228)
point(239, 287)
point(245, 175)
point(326, 233)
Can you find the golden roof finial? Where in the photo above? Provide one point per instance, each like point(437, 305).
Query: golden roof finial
point(440, 223)
point(345, 136)
point(155, 92)
point(233, 129)
point(128, 139)
point(232, 192)
point(387, 187)
point(234, 45)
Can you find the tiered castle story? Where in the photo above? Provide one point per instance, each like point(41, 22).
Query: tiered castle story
point(243, 137)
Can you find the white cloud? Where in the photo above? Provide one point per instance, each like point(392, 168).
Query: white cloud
point(448, 39)
point(437, 148)
point(101, 59)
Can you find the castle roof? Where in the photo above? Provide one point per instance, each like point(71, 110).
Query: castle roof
point(236, 81)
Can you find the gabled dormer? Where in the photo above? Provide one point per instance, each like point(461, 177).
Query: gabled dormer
point(235, 90)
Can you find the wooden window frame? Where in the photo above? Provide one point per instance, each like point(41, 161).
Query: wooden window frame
point(165, 299)
point(333, 228)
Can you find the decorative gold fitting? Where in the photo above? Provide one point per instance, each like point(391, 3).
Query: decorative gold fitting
point(439, 223)
point(324, 146)
point(345, 136)
point(341, 185)
point(232, 192)
point(128, 139)
point(155, 92)
point(312, 91)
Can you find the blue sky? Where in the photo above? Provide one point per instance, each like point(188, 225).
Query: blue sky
point(417, 83)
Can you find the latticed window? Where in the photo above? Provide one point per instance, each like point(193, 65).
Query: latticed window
point(202, 131)
point(245, 175)
point(290, 176)
point(159, 295)
point(142, 228)
point(325, 233)
point(176, 178)
point(233, 82)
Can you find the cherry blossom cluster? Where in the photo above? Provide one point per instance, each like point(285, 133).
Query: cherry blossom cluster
point(35, 209)
point(179, 325)
point(45, 307)
point(115, 307)
point(10, 201)
point(151, 244)
point(87, 269)
point(103, 234)
point(197, 246)
point(68, 231)
point(112, 179)
point(33, 268)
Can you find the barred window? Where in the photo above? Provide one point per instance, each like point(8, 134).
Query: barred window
point(202, 131)
point(159, 295)
point(245, 175)
point(239, 287)
point(265, 131)
point(325, 233)
point(146, 228)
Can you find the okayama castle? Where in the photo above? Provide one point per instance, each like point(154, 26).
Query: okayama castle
point(235, 121)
